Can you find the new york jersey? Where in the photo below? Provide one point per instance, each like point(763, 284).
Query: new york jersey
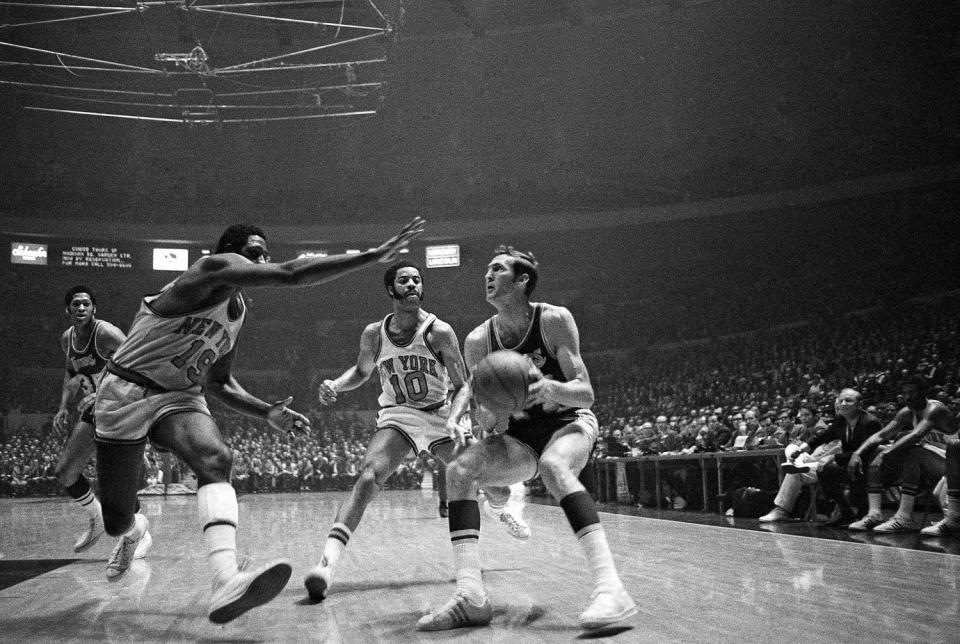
point(411, 375)
point(176, 351)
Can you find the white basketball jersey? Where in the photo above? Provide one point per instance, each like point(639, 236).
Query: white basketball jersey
point(411, 375)
point(176, 351)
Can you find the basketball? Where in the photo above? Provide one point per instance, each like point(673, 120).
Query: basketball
point(500, 381)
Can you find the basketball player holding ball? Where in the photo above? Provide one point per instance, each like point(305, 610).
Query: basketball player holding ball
point(87, 345)
point(553, 437)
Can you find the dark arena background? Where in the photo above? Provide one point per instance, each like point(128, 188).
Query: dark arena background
point(746, 206)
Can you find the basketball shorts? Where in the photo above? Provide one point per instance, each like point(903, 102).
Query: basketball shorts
point(536, 433)
point(125, 411)
point(424, 430)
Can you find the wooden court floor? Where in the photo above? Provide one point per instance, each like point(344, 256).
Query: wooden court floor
point(692, 583)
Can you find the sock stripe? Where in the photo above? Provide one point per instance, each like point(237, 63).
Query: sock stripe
point(219, 522)
point(340, 532)
point(79, 489)
point(461, 535)
point(587, 530)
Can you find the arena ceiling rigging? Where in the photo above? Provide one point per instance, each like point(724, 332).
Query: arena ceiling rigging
point(198, 61)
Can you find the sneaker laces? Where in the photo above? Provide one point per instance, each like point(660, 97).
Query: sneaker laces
point(512, 524)
point(122, 553)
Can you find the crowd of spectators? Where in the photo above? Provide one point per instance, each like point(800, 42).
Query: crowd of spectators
point(326, 458)
point(701, 396)
point(762, 389)
point(27, 464)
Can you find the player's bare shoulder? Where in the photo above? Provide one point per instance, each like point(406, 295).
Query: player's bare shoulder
point(477, 337)
point(558, 327)
point(440, 332)
point(65, 339)
point(371, 333)
point(554, 314)
point(202, 284)
point(109, 336)
point(904, 416)
point(939, 414)
point(476, 345)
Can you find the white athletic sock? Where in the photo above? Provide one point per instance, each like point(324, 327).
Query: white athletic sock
point(466, 559)
point(336, 543)
point(905, 511)
point(597, 550)
point(217, 503)
point(89, 504)
point(874, 500)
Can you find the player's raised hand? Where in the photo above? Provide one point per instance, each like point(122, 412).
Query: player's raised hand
point(388, 250)
point(285, 419)
point(327, 393)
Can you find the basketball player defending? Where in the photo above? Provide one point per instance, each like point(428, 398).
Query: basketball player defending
point(182, 343)
point(87, 344)
point(418, 359)
point(553, 438)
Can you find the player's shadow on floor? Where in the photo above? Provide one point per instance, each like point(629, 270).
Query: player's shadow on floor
point(609, 631)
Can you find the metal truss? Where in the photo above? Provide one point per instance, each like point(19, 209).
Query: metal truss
point(197, 61)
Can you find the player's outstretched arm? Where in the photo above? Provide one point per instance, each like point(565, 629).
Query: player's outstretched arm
point(358, 373)
point(222, 384)
point(231, 270)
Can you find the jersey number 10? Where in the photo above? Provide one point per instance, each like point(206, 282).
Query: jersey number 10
point(415, 384)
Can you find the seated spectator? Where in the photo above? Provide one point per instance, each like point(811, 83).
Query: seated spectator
point(810, 425)
point(614, 445)
point(805, 465)
point(306, 475)
point(240, 477)
point(786, 428)
point(289, 476)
